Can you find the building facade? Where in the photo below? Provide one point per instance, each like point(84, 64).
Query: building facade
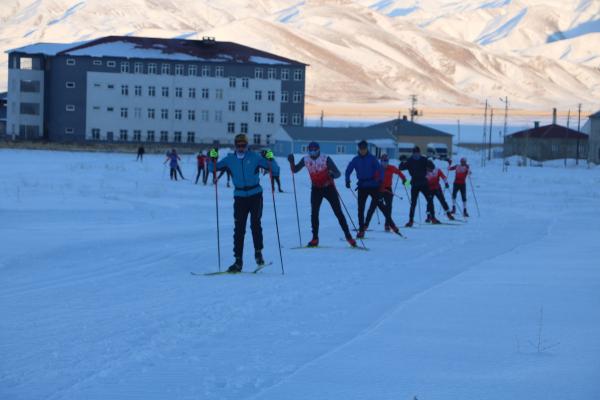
point(592, 128)
point(128, 89)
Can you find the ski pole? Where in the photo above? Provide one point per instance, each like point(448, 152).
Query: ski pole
point(348, 213)
point(296, 202)
point(217, 210)
point(275, 212)
point(474, 197)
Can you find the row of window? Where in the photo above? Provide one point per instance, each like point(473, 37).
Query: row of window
point(164, 136)
point(192, 70)
point(339, 149)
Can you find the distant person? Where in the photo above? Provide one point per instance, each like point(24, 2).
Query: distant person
point(140, 154)
point(434, 175)
point(173, 160)
point(274, 177)
point(417, 167)
point(461, 172)
point(202, 167)
point(387, 195)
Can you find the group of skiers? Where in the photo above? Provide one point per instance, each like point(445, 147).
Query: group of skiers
point(374, 180)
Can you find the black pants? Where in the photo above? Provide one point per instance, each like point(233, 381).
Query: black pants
point(317, 194)
point(363, 195)
point(277, 180)
point(242, 206)
point(228, 175)
point(180, 174)
point(200, 172)
point(440, 196)
point(459, 187)
point(205, 175)
point(384, 204)
point(414, 197)
point(140, 156)
point(173, 173)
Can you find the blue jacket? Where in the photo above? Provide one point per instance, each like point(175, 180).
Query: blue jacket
point(369, 171)
point(245, 172)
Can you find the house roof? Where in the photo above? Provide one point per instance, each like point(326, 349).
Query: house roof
point(402, 127)
point(207, 50)
point(595, 115)
point(551, 131)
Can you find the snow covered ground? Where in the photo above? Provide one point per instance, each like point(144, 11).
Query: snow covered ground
point(97, 300)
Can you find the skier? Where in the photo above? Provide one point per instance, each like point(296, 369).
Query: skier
point(417, 167)
point(173, 160)
point(202, 169)
point(370, 175)
point(274, 178)
point(433, 180)
point(140, 154)
point(461, 172)
point(386, 193)
point(322, 171)
point(244, 167)
point(226, 171)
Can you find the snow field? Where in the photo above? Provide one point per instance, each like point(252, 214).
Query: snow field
point(97, 301)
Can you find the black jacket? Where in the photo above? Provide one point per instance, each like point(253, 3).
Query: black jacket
point(417, 167)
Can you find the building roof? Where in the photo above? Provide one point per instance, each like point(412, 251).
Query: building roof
point(551, 131)
point(207, 50)
point(595, 115)
point(403, 127)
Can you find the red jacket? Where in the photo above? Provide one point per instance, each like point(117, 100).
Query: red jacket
point(461, 173)
point(388, 177)
point(433, 178)
point(201, 160)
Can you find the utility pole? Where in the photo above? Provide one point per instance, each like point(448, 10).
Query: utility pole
point(413, 110)
point(490, 138)
point(484, 133)
point(578, 131)
point(458, 131)
point(567, 137)
point(322, 116)
point(505, 100)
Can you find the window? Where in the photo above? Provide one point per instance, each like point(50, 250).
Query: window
point(165, 91)
point(218, 116)
point(285, 74)
point(231, 106)
point(257, 95)
point(137, 136)
point(231, 127)
point(244, 106)
point(97, 62)
point(164, 136)
point(110, 109)
point(256, 139)
point(178, 69)
point(340, 149)
point(271, 73)
point(111, 64)
point(244, 127)
point(165, 69)
point(268, 140)
point(296, 120)
point(258, 73)
point(245, 83)
point(137, 112)
point(70, 61)
point(178, 92)
point(123, 134)
point(304, 149)
point(297, 97)
point(192, 93)
point(29, 108)
point(191, 137)
point(192, 70)
point(97, 85)
point(297, 74)
point(205, 93)
point(29, 86)
point(125, 90)
point(151, 113)
point(152, 68)
point(110, 86)
point(219, 94)
point(164, 113)
point(205, 70)
point(232, 82)
point(138, 68)
point(96, 108)
point(151, 91)
point(27, 63)
point(69, 131)
point(177, 137)
point(95, 134)
point(271, 95)
point(257, 117)
point(150, 136)
point(124, 67)
point(219, 71)
point(284, 120)
point(70, 85)
point(191, 115)
point(204, 115)
point(124, 112)
point(285, 97)
point(271, 118)
point(137, 90)
point(177, 114)
point(70, 107)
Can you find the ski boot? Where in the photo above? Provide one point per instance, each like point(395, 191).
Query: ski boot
point(465, 213)
point(428, 220)
point(313, 243)
point(435, 221)
point(351, 241)
point(409, 224)
point(259, 258)
point(236, 267)
point(395, 229)
point(360, 234)
point(450, 216)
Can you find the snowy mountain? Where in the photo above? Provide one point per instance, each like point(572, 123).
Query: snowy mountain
point(539, 53)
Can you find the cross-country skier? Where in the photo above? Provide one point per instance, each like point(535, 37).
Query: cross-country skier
point(461, 172)
point(322, 171)
point(140, 153)
point(274, 178)
point(434, 175)
point(417, 168)
point(173, 160)
point(386, 193)
point(202, 168)
point(370, 175)
point(244, 167)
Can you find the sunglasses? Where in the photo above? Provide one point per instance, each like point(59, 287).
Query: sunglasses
point(241, 145)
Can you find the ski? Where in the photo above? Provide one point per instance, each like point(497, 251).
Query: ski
point(257, 270)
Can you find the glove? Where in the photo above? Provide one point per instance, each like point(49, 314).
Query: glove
point(291, 159)
point(348, 184)
point(269, 155)
point(406, 183)
point(446, 185)
point(214, 153)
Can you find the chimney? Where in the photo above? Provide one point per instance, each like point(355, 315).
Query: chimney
point(536, 124)
point(554, 116)
point(404, 118)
